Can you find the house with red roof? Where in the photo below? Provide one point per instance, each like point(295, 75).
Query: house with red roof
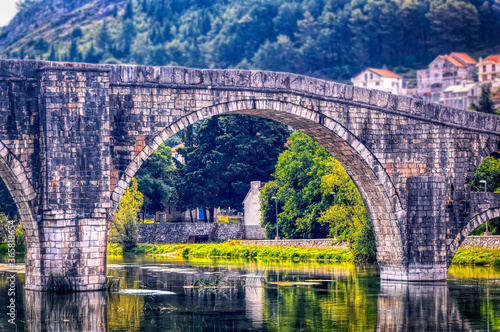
point(489, 71)
point(444, 71)
point(379, 79)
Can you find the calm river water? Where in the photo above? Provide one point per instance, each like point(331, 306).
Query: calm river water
point(167, 294)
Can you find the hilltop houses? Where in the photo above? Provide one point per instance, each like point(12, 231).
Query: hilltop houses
point(444, 71)
point(453, 80)
point(379, 79)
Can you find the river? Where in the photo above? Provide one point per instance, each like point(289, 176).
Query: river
point(169, 294)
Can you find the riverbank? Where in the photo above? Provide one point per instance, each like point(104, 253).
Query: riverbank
point(236, 250)
point(476, 256)
point(464, 256)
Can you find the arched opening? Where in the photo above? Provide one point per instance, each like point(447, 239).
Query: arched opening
point(484, 202)
point(377, 190)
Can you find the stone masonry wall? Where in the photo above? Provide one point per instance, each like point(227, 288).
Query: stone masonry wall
point(312, 243)
point(164, 233)
point(490, 242)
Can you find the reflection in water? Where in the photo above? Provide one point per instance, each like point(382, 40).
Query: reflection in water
point(245, 296)
point(85, 311)
point(418, 307)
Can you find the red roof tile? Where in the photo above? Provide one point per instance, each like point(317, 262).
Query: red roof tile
point(384, 72)
point(493, 58)
point(464, 57)
point(453, 61)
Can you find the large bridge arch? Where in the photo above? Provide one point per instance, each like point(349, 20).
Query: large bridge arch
point(375, 186)
point(17, 182)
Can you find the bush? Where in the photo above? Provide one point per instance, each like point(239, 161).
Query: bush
point(126, 220)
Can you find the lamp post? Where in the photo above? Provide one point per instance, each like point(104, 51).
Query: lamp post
point(277, 225)
point(485, 233)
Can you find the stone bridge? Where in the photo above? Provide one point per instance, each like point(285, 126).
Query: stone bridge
point(73, 135)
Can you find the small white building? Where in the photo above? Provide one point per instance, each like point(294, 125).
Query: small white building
point(379, 79)
point(253, 230)
point(462, 96)
point(489, 71)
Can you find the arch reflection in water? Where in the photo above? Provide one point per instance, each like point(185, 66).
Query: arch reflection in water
point(85, 311)
point(418, 307)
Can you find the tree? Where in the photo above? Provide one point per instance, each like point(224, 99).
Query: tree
point(316, 198)
point(126, 219)
point(157, 178)
point(7, 204)
point(103, 39)
point(74, 54)
point(227, 153)
point(485, 104)
point(129, 11)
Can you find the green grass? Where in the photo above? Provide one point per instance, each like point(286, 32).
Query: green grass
point(476, 256)
point(233, 249)
point(4, 248)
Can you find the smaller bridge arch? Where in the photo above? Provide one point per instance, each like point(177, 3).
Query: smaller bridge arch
point(474, 223)
point(375, 186)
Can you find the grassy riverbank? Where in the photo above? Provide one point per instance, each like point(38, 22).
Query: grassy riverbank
point(236, 250)
point(477, 256)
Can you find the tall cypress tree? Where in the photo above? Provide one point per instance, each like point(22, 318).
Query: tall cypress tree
point(485, 104)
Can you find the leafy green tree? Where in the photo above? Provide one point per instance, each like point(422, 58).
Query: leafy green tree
point(453, 22)
point(126, 219)
point(157, 179)
point(485, 104)
point(7, 204)
point(316, 198)
point(227, 153)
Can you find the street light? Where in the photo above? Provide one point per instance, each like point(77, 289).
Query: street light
point(485, 233)
point(277, 225)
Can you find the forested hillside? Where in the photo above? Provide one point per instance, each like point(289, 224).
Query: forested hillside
point(322, 38)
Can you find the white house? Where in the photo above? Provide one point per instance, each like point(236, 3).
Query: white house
point(489, 71)
point(379, 79)
point(253, 230)
point(462, 96)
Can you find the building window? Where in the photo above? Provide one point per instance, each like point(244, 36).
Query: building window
point(484, 69)
point(460, 103)
point(366, 77)
point(435, 66)
point(371, 76)
point(435, 75)
point(458, 82)
point(169, 212)
point(428, 86)
point(492, 67)
point(428, 76)
point(435, 97)
point(420, 78)
point(472, 92)
point(377, 84)
point(364, 84)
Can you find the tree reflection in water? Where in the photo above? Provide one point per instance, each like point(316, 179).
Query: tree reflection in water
point(347, 299)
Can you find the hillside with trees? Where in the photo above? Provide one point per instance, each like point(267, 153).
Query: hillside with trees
point(323, 38)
